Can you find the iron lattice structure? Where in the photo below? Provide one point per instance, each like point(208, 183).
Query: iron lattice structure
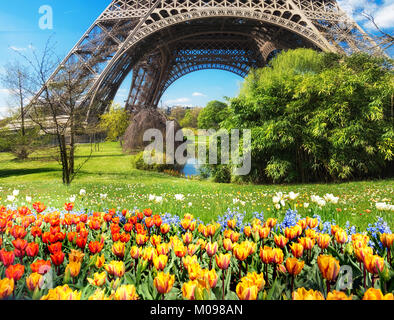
point(159, 41)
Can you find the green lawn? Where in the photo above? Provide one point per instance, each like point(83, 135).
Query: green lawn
point(110, 172)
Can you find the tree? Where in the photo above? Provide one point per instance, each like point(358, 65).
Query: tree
point(55, 108)
point(212, 115)
point(190, 119)
point(22, 140)
point(177, 113)
point(318, 117)
point(115, 122)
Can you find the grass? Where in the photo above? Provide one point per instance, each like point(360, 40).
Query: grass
point(110, 172)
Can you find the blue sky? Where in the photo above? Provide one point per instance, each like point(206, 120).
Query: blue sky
point(19, 30)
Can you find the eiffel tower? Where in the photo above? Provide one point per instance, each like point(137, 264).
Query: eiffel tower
point(159, 41)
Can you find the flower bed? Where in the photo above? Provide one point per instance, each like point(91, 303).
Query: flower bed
point(141, 255)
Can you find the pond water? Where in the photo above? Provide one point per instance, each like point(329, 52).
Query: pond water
point(191, 167)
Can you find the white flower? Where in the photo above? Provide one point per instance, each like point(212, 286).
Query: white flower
point(282, 202)
point(11, 198)
point(382, 206)
point(103, 196)
point(15, 193)
point(189, 204)
point(82, 192)
point(329, 197)
point(72, 198)
point(28, 199)
point(275, 199)
point(292, 195)
point(277, 206)
point(152, 197)
point(306, 204)
point(158, 199)
point(179, 197)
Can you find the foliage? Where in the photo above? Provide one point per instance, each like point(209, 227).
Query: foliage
point(115, 122)
point(159, 163)
point(212, 115)
point(318, 117)
point(191, 118)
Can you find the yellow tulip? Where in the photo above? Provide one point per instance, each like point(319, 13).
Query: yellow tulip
point(163, 282)
point(329, 267)
point(303, 294)
point(126, 292)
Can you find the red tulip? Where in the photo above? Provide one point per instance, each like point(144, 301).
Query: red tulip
point(32, 249)
point(57, 258)
point(15, 271)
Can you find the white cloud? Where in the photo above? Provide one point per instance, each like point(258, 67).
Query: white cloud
point(198, 94)
point(17, 49)
point(382, 13)
point(176, 101)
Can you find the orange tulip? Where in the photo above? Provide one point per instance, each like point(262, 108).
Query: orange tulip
point(62, 293)
point(211, 248)
point(247, 231)
point(100, 261)
point(302, 223)
point(311, 233)
point(41, 266)
point(34, 280)
point(160, 262)
point(232, 224)
point(297, 249)
point(98, 279)
point(165, 228)
point(264, 232)
point(126, 292)
point(246, 290)
point(329, 267)
point(57, 258)
point(180, 250)
point(362, 253)
point(189, 260)
point(294, 266)
point(376, 294)
point(312, 222)
point(211, 277)
point(280, 241)
point(149, 253)
point(188, 289)
point(223, 260)
point(303, 294)
point(277, 255)
point(341, 236)
point(135, 252)
point(187, 237)
point(271, 222)
point(75, 256)
point(6, 288)
point(155, 240)
point(7, 257)
point(266, 255)
point(323, 240)
point(32, 249)
point(387, 239)
point(163, 282)
point(228, 244)
point(15, 272)
point(116, 268)
point(141, 239)
point(338, 295)
point(118, 249)
point(192, 248)
point(194, 270)
point(241, 252)
point(307, 243)
point(374, 263)
point(162, 248)
point(73, 268)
